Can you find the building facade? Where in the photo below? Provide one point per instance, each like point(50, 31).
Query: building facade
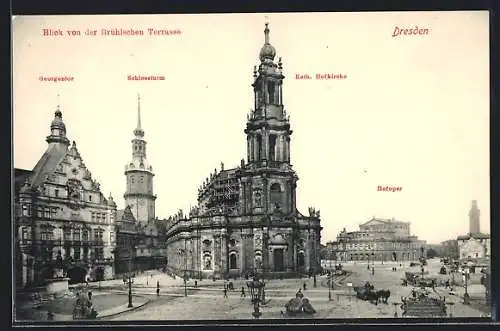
point(140, 244)
point(61, 217)
point(377, 240)
point(246, 220)
point(474, 245)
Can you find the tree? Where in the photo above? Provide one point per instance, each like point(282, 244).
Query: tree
point(431, 253)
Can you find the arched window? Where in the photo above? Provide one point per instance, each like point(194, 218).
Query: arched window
point(275, 193)
point(232, 261)
point(270, 92)
point(259, 147)
point(272, 147)
point(258, 199)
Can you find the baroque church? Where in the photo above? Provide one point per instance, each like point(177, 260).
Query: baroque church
point(246, 220)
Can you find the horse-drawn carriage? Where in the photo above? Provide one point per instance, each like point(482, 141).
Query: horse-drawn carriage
point(369, 293)
point(421, 304)
point(415, 279)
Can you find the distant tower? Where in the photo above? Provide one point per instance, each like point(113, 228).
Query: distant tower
point(474, 214)
point(139, 193)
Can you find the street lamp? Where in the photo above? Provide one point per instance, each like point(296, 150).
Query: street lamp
point(330, 277)
point(422, 261)
point(466, 277)
point(130, 280)
point(257, 293)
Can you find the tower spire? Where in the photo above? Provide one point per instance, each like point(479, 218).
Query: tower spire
point(266, 32)
point(138, 111)
point(139, 132)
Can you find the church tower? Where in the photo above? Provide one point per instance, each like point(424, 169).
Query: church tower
point(272, 181)
point(139, 193)
point(474, 214)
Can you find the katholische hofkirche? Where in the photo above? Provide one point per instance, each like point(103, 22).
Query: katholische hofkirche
point(246, 220)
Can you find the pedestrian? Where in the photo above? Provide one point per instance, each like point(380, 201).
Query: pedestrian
point(157, 291)
point(243, 292)
point(225, 292)
point(305, 288)
point(195, 283)
point(90, 295)
point(373, 271)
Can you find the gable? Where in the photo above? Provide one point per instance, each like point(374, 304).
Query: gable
point(374, 221)
point(472, 245)
point(69, 169)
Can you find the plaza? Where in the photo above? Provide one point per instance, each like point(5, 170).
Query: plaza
point(207, 302)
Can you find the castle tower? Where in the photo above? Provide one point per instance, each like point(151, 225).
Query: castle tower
point(57, 135)
point(474, 214)
point(139, 193)
point(268, 140)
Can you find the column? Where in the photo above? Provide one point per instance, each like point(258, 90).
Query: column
point(265, 145)
point(243, 194)
point(265, 195)
point(281, 93)
point(287, 149)
point(255, 148)
point(288, 196)
point(224, 252)
point(249, 148)
point(242, 253)
point(250, 252)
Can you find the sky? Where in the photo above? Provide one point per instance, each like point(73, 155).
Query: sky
point(412, 112)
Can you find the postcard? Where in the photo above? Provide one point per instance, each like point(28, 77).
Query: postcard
point(265, 166)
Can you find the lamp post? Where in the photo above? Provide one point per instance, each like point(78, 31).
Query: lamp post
point(422, 261)
point(466, 278)
point(330, 277)
point(257, 292)
point(130, 280)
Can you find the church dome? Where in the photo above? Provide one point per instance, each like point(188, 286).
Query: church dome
point(111, 202)
point(58, 123)
point(267, 52)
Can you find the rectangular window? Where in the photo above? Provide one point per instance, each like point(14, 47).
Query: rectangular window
point(40, 211)
point(25, 210)
point(56, 193)
point(67, 234)
point(85, 253)
point(93, 217)
point(76, 235)
point(46, 212)
point(99, 253)
point(54, 211)
point(76, 254)
point(85, 235)
point(24, 234)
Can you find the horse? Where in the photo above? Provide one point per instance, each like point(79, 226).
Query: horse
point(365, 293)
point(384, 295)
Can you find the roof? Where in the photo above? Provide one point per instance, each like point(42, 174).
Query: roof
point(20, 176)
point(48, 162)
point(474, 235)
point(384, 220)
